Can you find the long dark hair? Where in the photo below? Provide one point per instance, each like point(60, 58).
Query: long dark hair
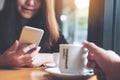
point(11, 26)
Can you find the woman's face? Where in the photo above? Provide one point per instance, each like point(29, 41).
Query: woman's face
point(28, 8)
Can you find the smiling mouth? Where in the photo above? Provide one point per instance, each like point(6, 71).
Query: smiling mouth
point(28, 10)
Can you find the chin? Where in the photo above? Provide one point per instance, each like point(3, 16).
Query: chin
point(27, 16)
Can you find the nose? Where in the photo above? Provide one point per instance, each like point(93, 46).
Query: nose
point(30, 2)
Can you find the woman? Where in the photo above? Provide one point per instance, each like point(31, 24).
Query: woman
point(35, 13)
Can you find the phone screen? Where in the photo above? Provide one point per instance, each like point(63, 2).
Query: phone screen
point(31, 35)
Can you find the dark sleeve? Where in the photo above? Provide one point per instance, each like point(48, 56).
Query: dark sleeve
point(61, 40)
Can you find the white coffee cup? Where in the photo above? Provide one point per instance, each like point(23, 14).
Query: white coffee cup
point(73, 59)
point(56, 58)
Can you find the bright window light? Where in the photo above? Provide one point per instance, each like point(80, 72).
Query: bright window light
point(63, 17)
point(81, 4)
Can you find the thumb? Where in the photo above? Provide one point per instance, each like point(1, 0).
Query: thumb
point(98, 54)
point(92, 47)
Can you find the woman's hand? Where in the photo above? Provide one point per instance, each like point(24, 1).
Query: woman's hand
point(107, 60)
point(33, 55)
point(14, 57)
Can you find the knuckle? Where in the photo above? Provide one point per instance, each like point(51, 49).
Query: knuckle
point(110, 51)
point(91, 43)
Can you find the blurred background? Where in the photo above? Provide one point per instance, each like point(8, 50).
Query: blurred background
point(1, 4)
point(72, 17)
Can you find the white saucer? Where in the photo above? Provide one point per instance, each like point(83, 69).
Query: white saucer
point(55, 71)
point(50, 65)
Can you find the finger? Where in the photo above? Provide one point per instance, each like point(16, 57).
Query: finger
point(25, 49)
point(28, 61)
point(92, 47)
point(98, 70)
point(30, 64)
point(13, 47)
point(31, 51)
point(90, 56)
point(25, 57)
point(29, 47)
point(22, 45)
point(38, 49)
point(34, 53)
point(91, 64)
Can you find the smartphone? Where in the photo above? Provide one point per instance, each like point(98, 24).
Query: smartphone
point(31, 35)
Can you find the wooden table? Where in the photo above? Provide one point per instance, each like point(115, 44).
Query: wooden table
point(32, 74)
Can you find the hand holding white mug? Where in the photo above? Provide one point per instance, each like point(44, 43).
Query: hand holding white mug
point(107, 60)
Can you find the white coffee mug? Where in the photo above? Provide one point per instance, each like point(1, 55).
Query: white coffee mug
point(56, 58)
point(73, 59)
